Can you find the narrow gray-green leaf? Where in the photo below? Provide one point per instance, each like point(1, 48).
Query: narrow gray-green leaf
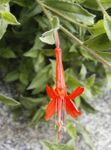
point(8, 101)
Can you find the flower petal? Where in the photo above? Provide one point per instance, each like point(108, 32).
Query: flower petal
point(78, 91)
point(51, 92)
point(71, 108)
point(50, 110)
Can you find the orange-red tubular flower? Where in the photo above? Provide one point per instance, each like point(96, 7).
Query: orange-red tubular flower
point(60, 100)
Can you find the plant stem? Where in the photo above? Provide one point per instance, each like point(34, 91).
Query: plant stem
point(74, 38)
point(94, 54)
point(43, 8)
point(102, 8)
point(64, 16)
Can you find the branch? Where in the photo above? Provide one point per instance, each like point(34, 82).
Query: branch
point(74, 38)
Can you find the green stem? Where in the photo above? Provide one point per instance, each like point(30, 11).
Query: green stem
point(74, 38)
point(95, 55)
point(64, 16)
point(102, 8)
point(43, 8)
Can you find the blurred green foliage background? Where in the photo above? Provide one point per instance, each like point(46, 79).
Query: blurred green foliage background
point(27, 57)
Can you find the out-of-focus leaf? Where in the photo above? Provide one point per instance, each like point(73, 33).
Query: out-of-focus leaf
point(71, 129)
point(23, 3)
point(37, 116)
point(40, 79)
point(39, 62)
point(9, 101)
point(7, 53)
point(73, 49)
point(86, 135)
point(83, 72)
point(31, 53)
point(34, 51)
point(89, 82)
point(93, 4)
point(53, 65)
point(108, 76)
point(105, 55)
point(97, 29)
point(71, 80)
point(77, 102)
point(12, 76)
point(99, 43)
point(4, 1)
point(9, 18)
point(73, 11)
point(87, 107)
point(30, 103)
point(107, 25)
point(52, 146)
point(55, 23)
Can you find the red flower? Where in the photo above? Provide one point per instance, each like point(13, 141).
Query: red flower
point(60, 100)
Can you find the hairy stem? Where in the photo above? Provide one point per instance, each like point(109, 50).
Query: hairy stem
point(64, 16)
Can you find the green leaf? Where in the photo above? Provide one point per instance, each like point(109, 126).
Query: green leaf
point(52, 146)
point(93, 4)
point(4, 1)
point(23, 3)
point(86, 136)
point(9, 101)
point(89, 82)
point(9, 18)
point(34, 51)
point(99, 43)
point(53, 65)
point(3, 24)
point(40, 80)
point(55, 23)
point(12, 76)
point(71, 80)
point(105, 55)
point(87, 107)
point(39, 62)
point(71, 129)
point(73, 11)
point(107, 25)
point(83, 72)
point(48, 37)
point(31, 53)
point(7, 53)
point(108, 78)
point(30, 103)
point(97, 29)
point(36, 118)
